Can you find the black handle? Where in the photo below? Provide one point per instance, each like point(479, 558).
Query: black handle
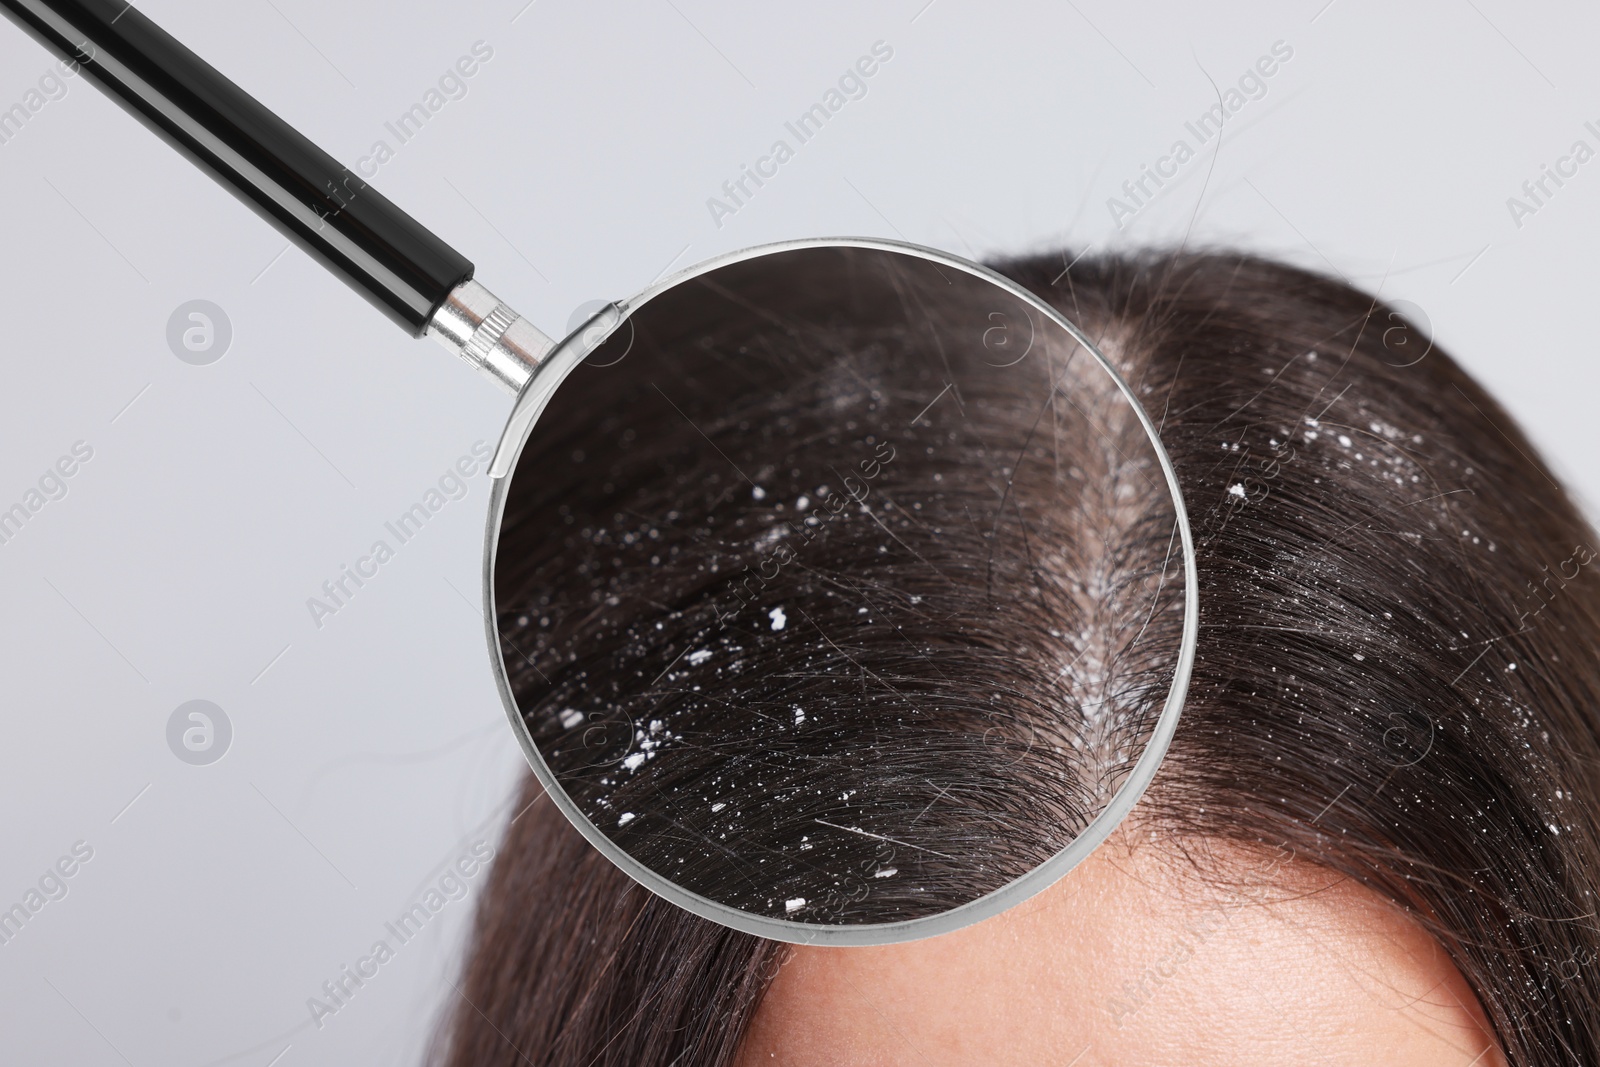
point(312, 199)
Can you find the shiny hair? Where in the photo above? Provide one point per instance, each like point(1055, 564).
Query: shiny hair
point(1396, 674)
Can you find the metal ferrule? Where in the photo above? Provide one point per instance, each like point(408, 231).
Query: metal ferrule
point(487, 334)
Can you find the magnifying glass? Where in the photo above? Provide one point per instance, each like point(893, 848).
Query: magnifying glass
point(750, 532)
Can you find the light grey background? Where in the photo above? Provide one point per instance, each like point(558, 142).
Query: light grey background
point(368, 753)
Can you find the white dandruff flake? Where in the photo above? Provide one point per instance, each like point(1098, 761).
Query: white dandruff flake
point(627, 817)
point(699, 656)
point(1236, 489)
point(758, 492)
point(799, 716)
point(886, 872)
point(779, 619)
point(794, 904)
point(718, 806)
point(634, 761)
point(570, 718)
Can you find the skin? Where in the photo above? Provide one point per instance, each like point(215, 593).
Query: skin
point(1148, 953)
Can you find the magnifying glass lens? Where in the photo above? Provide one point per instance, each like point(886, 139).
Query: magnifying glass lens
point(841, 587)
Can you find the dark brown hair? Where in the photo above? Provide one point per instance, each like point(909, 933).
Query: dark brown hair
point(1395, 674)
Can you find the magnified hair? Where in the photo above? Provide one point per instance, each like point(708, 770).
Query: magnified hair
point(781, 635)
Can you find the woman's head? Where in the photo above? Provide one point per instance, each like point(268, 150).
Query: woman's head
point(1392, 716)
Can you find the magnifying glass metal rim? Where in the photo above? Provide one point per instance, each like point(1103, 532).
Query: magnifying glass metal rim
point(520, 425)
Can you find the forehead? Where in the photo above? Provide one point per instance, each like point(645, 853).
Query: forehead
point(1140, 956)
